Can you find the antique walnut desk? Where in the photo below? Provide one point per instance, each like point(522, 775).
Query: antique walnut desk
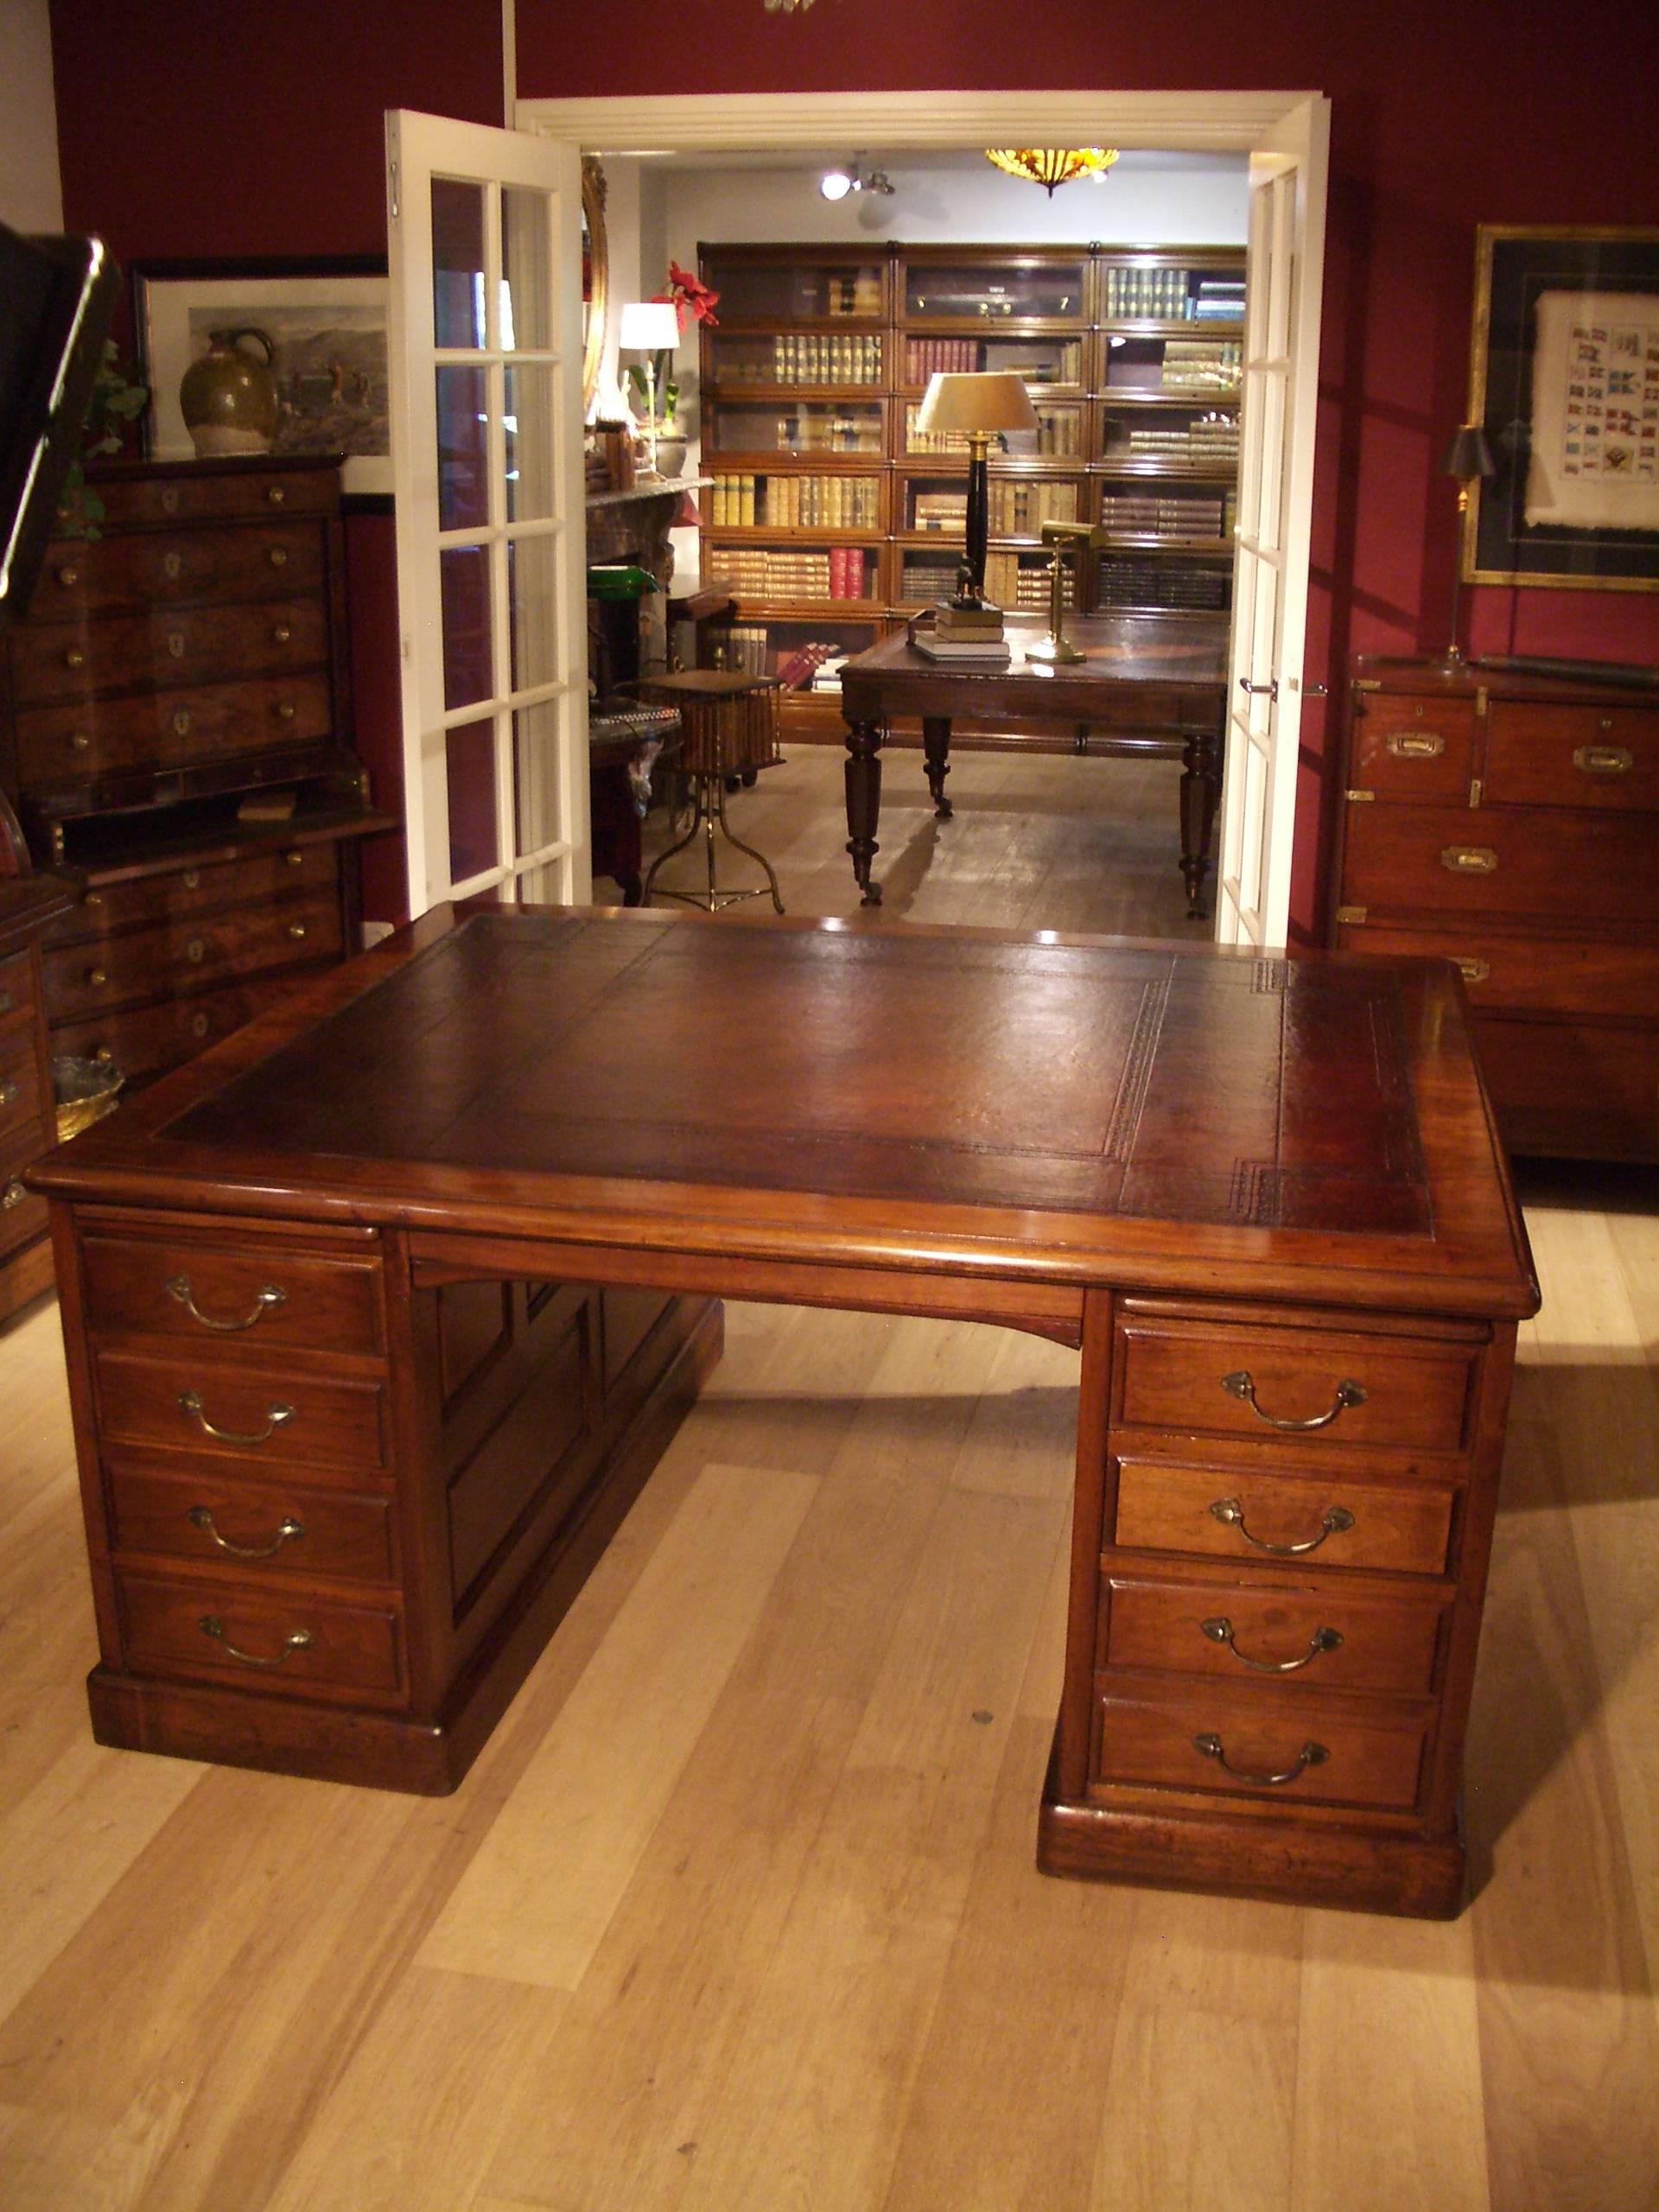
point(1146, 683)
point(357, 1407)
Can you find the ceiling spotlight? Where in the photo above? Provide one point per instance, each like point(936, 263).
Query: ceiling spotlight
point(836, 183)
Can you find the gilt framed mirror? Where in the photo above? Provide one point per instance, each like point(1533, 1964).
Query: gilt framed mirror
point(595, 277)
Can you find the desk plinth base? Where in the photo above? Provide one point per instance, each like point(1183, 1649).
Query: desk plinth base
point(1278, 1861)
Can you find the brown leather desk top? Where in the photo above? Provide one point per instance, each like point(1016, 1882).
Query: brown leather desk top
point(936, 1100)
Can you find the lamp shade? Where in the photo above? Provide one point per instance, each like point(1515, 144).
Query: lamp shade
point(649, 326)
point(1469, 454)
point(985, 401)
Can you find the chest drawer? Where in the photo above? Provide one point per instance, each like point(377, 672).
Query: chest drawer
point(203, 491)
point(60, 746)
point(188, 952)
point(1577, 865)
point(136, 571)
point(1540, 754)
point(297, 1645)
point(1326, 1637)
point(270, 1528)
point(200, 890)
point(20, 1086)
point(1409, 747)
point(1320, 1521)
point(142, 1040)
point(193, 1403)
point(1212, 1740)
point(204, 1293)
point(1614, 977)
point(1305, 1388)
point(189, 645)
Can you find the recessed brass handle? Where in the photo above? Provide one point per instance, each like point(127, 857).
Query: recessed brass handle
point(276, 1416)
point(1332, 1522)
point(1472, 970)
point(14, 1196)
point(264, 1298)
point(1603, 759)
point(1242, 1384)
point(296, 930)
point(301, 1640)
point(1311, 1754)
point(1415, 743)
point(1469, 860)
point(288, 1530)
point(1220, 1630)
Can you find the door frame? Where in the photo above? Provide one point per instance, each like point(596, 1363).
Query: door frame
point(1226, 121)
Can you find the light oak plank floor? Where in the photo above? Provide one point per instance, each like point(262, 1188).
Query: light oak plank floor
point(794, 1954)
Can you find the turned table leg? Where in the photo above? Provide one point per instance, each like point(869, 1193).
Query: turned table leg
point(1200, 792)
point(863, 802)
point(936, 750)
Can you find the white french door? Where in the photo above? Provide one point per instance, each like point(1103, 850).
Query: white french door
point(485, 331)
point(1275, 490)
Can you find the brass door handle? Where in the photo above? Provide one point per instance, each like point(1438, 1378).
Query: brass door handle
point(1469, 860)
point(301, 1640)
point(1603, 759)
point(266, 1297)
point(287, 1531)
point(1311, 1754)
point(1242, 1384)
point(1332, 1522)
point(1220, 1630)
point(276, 1416)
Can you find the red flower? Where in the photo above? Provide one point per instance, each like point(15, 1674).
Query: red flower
point(693, 301)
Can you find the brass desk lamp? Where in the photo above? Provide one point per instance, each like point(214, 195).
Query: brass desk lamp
point(1068, 539)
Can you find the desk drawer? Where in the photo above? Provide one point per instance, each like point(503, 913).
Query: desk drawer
point(1298, 1387)
point(1318, 1520)
point(175, 893)
point(61, 746)
point(195, 645)
point(188, 953)
point(1539, 754)
point(292, 1644)
point(1323, 1637)
point(278, 1530)
point(208, 1292)
point(263, 1417)
point(1240, 1744)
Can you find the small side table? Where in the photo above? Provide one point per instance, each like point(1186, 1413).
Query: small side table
point(729, 727)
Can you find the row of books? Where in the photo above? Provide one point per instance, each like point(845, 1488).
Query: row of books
point(740, 502)
point(1059, 431)
point(810, 429)
point(1024, 585)
point(1040, 361)
point(1161, 583)
point(801, 356)
point(1202, 365)
point(1156, 518)
point(1200, 442)
point(757, 572)
point(1172, 294)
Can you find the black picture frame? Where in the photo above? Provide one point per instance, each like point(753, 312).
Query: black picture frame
point(1523, 404)
point(171, 299)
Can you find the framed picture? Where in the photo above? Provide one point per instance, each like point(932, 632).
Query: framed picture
point(1564, 379)
point(326, 323)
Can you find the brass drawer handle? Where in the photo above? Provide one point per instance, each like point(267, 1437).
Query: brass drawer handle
point(172, 567)
point(9, 1093)
point(191, 878)
point(68, 577)
point(1311, 1754)
point(176, 644)
point(285, 710)
point(199, 1025)
point(301, 1640)
point(1603, 759)
point(1332, 1522)
point(13, 1195)
point(1471, 970)
point(196, 950)
point(1469, 860)
point(275, 494)
point(266, 1297)
point(280, 634)
point(182, 722)
point(102, 1052)
point(74, 658)
point(288, 1530)
point(294, 858)
point(96, 978)
point(79, 741)
point(296, 930)
point(277, 555)
point(1415, 743)
point(1242, 1384)
point(276, 1416)
point(1220, 1630)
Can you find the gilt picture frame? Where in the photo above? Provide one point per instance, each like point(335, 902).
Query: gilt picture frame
point(326, 319)
point(1564, 379)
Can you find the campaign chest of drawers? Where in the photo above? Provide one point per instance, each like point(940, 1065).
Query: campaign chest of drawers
point(1510, 823)
point(28, 906)
point(177, 732)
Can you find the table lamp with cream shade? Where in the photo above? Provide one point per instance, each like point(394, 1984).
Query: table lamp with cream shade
point(650, 328)
point(978, 405)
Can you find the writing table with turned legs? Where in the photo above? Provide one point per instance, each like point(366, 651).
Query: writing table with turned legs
point(378, 1313)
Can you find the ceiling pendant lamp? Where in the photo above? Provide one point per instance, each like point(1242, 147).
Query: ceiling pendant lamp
point(1052, 165)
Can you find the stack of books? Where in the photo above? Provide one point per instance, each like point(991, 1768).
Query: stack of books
point(971, 635)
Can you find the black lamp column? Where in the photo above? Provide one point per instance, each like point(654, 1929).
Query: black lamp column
point(1469, 458)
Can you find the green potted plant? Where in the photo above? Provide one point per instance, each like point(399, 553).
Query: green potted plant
point(116, 404)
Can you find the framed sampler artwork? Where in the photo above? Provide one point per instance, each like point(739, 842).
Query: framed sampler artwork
point(326, 322)
point(1564, 379)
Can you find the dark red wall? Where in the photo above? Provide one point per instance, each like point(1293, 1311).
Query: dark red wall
point(185, 131)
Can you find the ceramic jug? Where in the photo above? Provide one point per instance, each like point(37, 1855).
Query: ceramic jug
point(228, 398)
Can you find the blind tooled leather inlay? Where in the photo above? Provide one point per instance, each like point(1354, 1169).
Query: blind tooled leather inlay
point(1123, 1080)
